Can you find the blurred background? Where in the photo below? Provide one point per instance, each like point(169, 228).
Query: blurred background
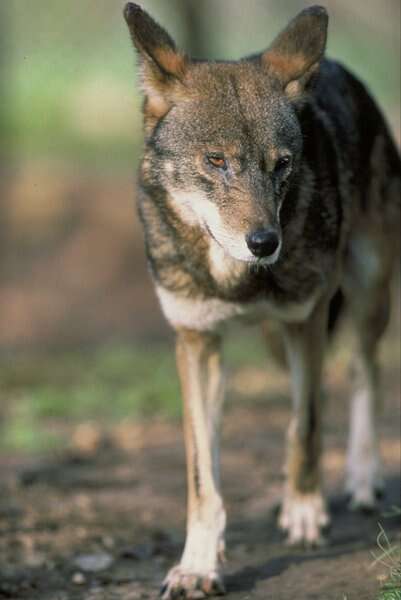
point(81, 334)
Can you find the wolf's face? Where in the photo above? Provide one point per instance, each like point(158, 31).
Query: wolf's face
point(223, 139)
point(226, 154)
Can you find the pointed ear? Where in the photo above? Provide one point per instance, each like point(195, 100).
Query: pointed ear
point(162, 65)
point(294, 55)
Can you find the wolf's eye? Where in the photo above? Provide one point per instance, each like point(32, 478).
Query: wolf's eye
point(282, 163)
point(217, 161)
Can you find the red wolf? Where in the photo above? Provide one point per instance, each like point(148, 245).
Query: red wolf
point(269, 190)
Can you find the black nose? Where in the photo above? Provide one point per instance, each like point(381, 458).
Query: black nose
point(263, 243)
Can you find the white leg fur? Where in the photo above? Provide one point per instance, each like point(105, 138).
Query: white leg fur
point(197, 575)
point(363, 462)
point(366, 286)
point(204, 539)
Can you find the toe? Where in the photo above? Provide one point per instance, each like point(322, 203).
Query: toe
point(183, 585)
point(304, 517)
point(213, 586)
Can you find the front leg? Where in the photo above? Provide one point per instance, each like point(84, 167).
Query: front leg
point(303, 513)
point(199, 367)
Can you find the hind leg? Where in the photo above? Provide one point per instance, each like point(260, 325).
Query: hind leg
point(303, 513)
point(369, 304)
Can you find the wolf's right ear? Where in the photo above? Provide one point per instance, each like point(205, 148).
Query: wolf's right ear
point(162, 65)
point(295, 54)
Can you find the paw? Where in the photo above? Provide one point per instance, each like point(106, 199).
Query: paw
point(183, 584)
point(303, 517)
point(364, 485)
point(364, 497)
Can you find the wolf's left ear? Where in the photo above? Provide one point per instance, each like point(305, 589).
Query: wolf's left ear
point(162, 65)
point(294, 55)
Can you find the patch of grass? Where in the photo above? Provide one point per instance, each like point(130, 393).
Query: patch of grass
point(389, 557)
point(23, 432)
point(106, 385)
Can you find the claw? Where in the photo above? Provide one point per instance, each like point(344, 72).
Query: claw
point(181, 584)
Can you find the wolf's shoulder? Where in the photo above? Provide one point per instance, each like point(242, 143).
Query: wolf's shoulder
point(343, 96)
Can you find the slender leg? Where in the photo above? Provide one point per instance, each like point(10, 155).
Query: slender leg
point(363, 481)
point(303, 511)
point(199, 367)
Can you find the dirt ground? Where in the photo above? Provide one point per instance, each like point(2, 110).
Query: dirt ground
point(108, 524)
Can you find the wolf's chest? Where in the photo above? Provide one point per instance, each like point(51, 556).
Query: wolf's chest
point(212, 313)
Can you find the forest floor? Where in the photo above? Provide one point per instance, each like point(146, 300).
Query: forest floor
point(103, 516)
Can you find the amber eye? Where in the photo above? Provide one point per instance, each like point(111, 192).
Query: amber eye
point(217, 161)
point(282, 163)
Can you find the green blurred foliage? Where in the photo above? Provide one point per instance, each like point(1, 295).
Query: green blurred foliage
point(71, 89)
point(107, 385)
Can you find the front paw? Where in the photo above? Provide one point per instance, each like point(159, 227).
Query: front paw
point(363, 487)
point(183, 584)
point(303, 517)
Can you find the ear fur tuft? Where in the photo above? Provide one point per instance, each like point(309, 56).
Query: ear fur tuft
point(162, 65)
point(295, 54)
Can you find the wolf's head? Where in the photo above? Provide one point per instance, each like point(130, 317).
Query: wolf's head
point(223, 138)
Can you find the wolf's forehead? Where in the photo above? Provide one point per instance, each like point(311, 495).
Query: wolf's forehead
point(237, 101)
point(235, 85)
